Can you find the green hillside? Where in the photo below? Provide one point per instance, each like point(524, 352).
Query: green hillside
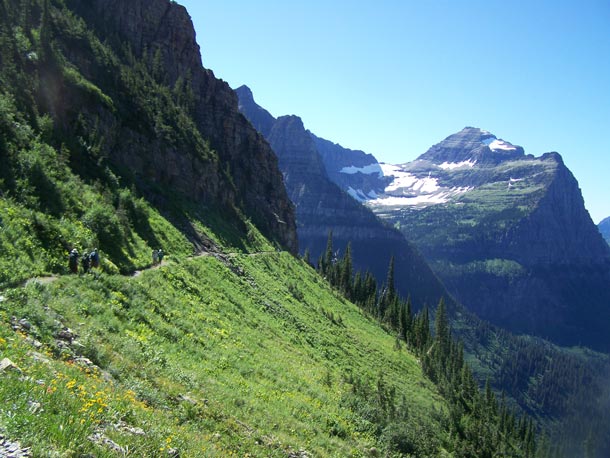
point(240, 349)
point(215, 357)
point(230, 347)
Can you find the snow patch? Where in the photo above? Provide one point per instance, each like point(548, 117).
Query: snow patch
point(410, 190)
point(456, 165)
point(501, 145)
point(357, 194)
point(367, 169)
point(422, 200)
point(406, 180)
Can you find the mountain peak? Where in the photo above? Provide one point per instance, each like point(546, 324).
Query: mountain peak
point(260, 118)
point(472, 144)
point(475, 132)
point(244, 93)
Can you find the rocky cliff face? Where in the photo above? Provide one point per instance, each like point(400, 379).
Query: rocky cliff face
point(509, 235)
point(604, 229)
point(240, 171)
point(472, 144)
point(356, 172)
point(322, 206)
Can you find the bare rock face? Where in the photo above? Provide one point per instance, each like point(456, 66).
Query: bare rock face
point(604, 229)
point(240, 171)
point(356, 172)
point(472, 144)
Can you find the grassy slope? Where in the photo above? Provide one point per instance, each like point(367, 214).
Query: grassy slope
point(209, 358)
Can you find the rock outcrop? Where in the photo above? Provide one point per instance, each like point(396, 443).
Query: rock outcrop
point(356, 172)
point(604, 229)
point(222, 161)
point(321, 206)
point(508, 234)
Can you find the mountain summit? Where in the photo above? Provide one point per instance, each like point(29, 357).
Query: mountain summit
point(472, 145)
point(508, 233)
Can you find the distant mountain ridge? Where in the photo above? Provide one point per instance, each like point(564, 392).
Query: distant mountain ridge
point(354, 171)
point(508, 233)
point(321, 206)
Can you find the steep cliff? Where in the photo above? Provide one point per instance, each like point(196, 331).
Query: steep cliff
point(509, 235)
point(321, 206)
point(356, 172)
point(206, 149)
point(604, 229)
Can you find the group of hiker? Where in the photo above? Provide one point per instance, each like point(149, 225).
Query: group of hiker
point(87, 260)
point(91, 260)
point(157, 256)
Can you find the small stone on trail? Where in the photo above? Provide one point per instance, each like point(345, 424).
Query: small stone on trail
point(6, 365)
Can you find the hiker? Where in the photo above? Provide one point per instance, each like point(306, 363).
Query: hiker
point(85, 262)
point(155, 256)
point(160, 255)
point(73, 261)
point(94, 257)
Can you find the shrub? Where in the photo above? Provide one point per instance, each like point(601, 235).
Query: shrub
point(103, 221)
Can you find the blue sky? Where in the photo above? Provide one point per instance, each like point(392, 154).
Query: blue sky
point(394, 77)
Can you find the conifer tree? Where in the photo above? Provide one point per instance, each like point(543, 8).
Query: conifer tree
point(26, 16)
point(326, 258)
point(45, 32)
point(357, 289)
point(443, 335)
point(389, 283)
point(346, 273)
point(405, 319)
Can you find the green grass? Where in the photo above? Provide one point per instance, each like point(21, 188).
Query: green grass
point(223, 359)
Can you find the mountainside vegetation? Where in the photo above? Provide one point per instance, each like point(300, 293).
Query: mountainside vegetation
point(508, 234)
point(229, 346)
point(564, 389)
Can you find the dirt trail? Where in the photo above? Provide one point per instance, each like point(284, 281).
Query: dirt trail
point(42, 280)
point(223, 257)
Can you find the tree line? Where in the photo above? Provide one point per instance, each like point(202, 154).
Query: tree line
point(478, 423)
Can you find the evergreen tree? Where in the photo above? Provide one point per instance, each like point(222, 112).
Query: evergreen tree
point(358, 295)
point(370, 291)
point(326, 258)
point(306, 257)
point(45, 33)
point(389, 283)
point(405, 319)
point(443, 335)
point(346, 273)
point(26, 12)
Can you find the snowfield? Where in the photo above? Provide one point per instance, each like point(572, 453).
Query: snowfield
point(406, 189)
point(367, 169)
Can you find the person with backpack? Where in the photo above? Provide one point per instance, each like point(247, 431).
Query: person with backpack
point(73, 261)
point(94, 257)
point(160, 255)
point(85, 262)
